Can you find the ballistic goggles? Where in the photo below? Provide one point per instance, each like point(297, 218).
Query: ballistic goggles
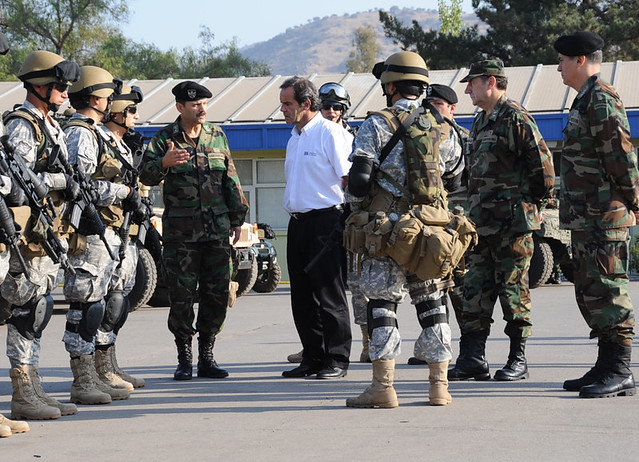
point(134, 96)
point(333, 90)
point(65, 71)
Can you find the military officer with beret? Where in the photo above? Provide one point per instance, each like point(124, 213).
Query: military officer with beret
point(511, 177)
point(599, 193)
point(203, 205)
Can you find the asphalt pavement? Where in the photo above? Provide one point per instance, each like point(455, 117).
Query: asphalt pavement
point(256, 415)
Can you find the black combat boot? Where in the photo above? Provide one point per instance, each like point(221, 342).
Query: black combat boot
point(471, 363)
point(184, 369)
point(596, 373)
point(206, 365)
point(617, 379)
point(516, 367)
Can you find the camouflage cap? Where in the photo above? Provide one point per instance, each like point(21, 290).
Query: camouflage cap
point(485, 67)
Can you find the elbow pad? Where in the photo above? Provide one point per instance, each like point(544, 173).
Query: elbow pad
point(359, 177)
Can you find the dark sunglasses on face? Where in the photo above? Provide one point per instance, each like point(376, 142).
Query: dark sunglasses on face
point(61, 87)
point(132, 109)
point(335, 106)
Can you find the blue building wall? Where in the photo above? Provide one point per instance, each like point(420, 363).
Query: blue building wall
point(263, 137)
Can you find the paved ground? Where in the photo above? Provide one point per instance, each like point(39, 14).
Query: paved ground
point(256, 415)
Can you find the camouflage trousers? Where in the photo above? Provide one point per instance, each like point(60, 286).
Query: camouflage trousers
point(93, 272)
point(601, 284)
point(17, 290)
point(498, 268)
point(358, 299)
point(383, 279)
point(197, 271)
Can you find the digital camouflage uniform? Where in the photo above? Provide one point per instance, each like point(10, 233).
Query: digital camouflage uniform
point(599, 191)
point(16, 288)
point(203, 200)
point(384, 280)
point(94, 266)
point(511, 175)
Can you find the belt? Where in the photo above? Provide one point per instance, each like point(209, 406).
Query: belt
point(302, 215)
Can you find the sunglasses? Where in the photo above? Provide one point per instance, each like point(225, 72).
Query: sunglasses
point(132, 109)
point(335, 106)
point(61, 87)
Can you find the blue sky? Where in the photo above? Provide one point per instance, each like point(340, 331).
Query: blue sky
point(177, 23)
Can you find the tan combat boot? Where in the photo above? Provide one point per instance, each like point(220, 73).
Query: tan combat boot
point(25, 403)
point(137, 382)
point(364, 356)
point(106, 371)
point(36, 380)
point(9, 427)
point(438, 377)
point(84, 389)
point(381, 392)
point(115, 393)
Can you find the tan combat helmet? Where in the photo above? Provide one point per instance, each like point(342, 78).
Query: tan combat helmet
point(43, 67)
point(95, 81)
point(404, 65)
point(129, 96)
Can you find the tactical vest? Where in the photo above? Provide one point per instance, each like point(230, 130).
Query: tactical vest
point(421, 156)
point(42, 136)
point(109, 168)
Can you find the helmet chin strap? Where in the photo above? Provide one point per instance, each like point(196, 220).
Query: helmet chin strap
point(105, 113)
point(50, 106)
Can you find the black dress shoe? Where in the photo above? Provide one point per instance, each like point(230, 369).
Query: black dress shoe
point(413, 361)
point(302, 370)
point(331, 372)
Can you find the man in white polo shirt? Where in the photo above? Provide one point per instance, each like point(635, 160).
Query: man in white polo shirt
point(316, 170)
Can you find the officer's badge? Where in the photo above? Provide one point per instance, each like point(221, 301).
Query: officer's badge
point(191, 93)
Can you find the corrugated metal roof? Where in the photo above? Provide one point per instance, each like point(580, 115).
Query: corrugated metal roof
point(255, 100)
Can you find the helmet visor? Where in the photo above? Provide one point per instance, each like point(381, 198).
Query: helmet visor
point(335, 89)
point(65, 71)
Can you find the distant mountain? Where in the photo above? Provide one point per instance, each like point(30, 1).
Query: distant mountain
point(323, 45)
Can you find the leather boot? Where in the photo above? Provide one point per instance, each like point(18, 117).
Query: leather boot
point(106, 371)
point(36, 380)
point(12, 426)
point(137, 382)
point(516, 367)
point(617, 380)
point(206, 365)
point(25, 404)
point(114, 393)
point(84, 389)
point(471, 363)
point(184, 369)
point(295, 357)
point(364, 356)
point(595, 373)
point(438, 377)
point(381, 392)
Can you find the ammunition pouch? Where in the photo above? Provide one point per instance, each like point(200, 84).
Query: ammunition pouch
point(77, 244)
point(429, 241)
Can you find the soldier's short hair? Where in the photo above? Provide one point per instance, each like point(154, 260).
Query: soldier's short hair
point(303, 89)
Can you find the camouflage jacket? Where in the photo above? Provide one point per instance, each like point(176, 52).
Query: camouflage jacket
point(599, 177)
point(511, 173)
point(203, 198)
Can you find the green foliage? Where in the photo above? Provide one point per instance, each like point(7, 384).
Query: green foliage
point(364, 56)
point(521, 32)
point(450, 17)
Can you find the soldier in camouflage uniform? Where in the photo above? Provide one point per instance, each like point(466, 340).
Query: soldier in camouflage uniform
point(404, 77)
point(34, 133)
point(203, 205)
point(89, 312)
point(511, 176)
point(599, 193)
point(452, 167)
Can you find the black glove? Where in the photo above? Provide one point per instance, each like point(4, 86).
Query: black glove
point(72, 191)
point(16, 196)
point(132, 202)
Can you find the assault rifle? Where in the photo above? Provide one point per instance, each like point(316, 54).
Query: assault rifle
point(83, 212)
point(42, 208)
point(10, 235)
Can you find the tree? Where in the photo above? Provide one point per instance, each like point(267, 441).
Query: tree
point(450, 17)
point(364, 56)
point(74, 29)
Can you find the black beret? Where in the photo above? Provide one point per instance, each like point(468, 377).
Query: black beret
point(442, 91)
point(190, 91)
point(579, 44)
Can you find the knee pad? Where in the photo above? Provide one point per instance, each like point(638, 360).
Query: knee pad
point(114, 310)
point(31, 318)
point(431, 312)
point(123, 318)
point(385, 321)
point(92, 314)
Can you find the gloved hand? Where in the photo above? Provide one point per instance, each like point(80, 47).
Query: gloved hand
point(72, 191)
point(16, 197)
point(133, 201)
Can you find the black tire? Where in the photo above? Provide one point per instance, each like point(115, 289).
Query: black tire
point(541, 263)
point(268, 280)
point(246, 278)
point(146, 278)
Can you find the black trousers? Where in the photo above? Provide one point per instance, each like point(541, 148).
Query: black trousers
point(318, 299)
